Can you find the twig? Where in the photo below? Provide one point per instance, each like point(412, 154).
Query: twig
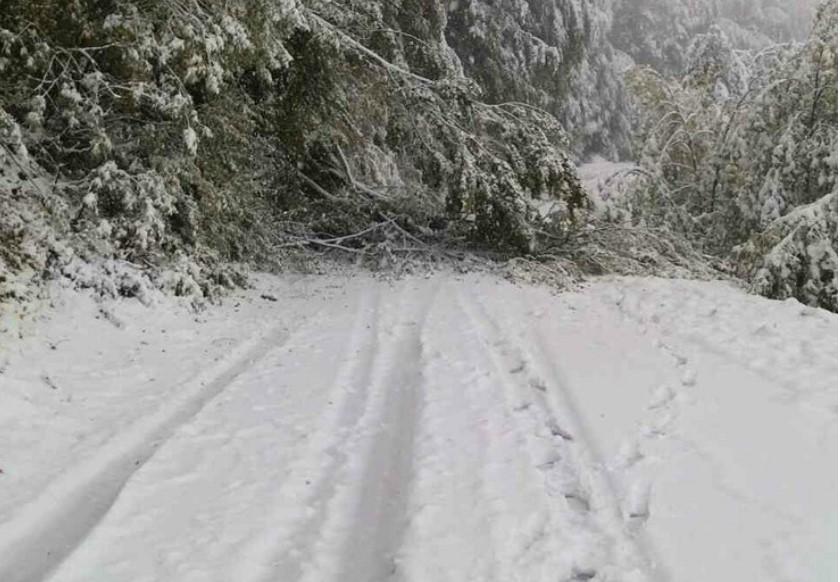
point(366, 51)
point(13, 157)
point(322, 243)
point(317, 187)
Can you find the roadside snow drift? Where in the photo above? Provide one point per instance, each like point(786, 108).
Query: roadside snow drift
point(427, 429)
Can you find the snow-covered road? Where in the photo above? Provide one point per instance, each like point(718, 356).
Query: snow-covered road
point(450, 428)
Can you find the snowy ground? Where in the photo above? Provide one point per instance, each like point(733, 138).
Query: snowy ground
point(431, 429)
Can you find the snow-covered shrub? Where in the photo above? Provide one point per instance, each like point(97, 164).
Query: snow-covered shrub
point(399, 131)
point(31, 219)
point(213, 130)
point(638, 250)
point(795, 256)
point(115, 102)
point(738, 142)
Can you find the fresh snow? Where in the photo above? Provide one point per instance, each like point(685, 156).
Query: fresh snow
point(425, 429)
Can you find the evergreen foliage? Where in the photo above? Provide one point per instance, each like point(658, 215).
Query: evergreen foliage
point(739, 142)
point(160, 142)
point(171, 129)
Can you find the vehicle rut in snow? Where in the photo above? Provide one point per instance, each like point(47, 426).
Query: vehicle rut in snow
point(351, 391)
point(379, 520)
point(355, 502)
point(47, 531)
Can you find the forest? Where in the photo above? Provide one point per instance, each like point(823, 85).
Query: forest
point(176, 144)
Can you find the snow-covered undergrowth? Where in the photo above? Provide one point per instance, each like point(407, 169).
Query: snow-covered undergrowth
point(796, 256)
point(446, 427)
point(39, 244)
point(613, 243)
point(178, 135)
point(738, 156)
point(151, 145)
point(27, 227)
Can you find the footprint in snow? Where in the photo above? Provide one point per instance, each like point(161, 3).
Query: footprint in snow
point(660, 425)
point(537, 384)
point(522, 407)
point(577, 502)
point(629, 454)
point(680, 359)
point(637, 503)
point(558, 431)
point(689, 378)
point(583, 574)
point(546, 455)
point(661, 396)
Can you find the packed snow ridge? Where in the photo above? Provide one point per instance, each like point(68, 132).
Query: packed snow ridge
point(429, 429)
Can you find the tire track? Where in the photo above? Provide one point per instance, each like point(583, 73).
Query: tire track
point(454, 456)
point(311, 483)
point(369, 553)
point(349, 512)
point(49, 529)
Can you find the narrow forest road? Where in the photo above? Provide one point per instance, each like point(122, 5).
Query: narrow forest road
point(428, 430)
